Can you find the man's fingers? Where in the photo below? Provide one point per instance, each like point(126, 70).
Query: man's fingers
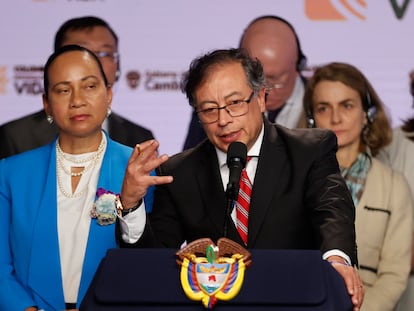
point(148, 149)
point(144, 149)
point(160, 180)
point(358, 290)
point(151, 164)
point(353, 284)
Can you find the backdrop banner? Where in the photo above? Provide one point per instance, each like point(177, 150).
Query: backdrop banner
point(158, 40)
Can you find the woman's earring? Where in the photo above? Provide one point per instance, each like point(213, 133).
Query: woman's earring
point(108, 113)
point(49, 119)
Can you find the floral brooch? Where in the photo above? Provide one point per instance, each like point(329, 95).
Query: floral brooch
point(104, 208)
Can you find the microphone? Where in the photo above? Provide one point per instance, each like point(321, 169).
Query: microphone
point(236, 161)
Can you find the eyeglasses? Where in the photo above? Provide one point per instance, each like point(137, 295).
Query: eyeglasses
point(209, 113)
point(113, 56)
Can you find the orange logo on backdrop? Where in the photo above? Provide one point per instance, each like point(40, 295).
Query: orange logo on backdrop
point(327, 10)
point(3, 80)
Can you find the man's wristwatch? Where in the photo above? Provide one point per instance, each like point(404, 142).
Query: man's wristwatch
point(120, 209)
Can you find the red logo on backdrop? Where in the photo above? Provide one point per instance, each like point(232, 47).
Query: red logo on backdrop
point(133, 78)
point(327, 10)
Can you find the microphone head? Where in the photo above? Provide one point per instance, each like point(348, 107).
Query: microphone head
point(237, 151)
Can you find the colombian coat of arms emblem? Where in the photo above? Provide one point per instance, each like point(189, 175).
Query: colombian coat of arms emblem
point(212, 272)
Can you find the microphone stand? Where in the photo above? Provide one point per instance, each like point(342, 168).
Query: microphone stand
point(230, 197)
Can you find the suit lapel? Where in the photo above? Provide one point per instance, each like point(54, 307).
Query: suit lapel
point(271, 178)
point(101, 238)
point(45, 272)
point(212, 192)
point(211, 189)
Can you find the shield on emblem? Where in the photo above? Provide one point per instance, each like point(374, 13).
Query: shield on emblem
point(212, 277)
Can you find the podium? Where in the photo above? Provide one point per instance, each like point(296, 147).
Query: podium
point(282, 280)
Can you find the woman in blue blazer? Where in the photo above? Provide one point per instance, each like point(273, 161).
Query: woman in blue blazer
point(55, 227)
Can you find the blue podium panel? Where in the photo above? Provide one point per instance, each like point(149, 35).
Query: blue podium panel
point(282, 280)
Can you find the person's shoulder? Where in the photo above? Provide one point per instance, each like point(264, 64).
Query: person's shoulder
point(399, 152)
point(190, 157)
point(27, 158)
point(379, 166)
point(306, 143)
point(386, 171)
point(383, 172)
point(132, 126)
point(398, 138)
point(33, 118)
point(182, 157)
point(21, 170)
point(392, 179)
point(401, 137)
point(304, 135)
point(118, 147)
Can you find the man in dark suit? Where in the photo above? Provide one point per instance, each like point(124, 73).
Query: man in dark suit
point(299, 199)
point(272, 40)
point(34, 130)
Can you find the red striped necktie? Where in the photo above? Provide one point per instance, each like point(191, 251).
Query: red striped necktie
point(243, 204)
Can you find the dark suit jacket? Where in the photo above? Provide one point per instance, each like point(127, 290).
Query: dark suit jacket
point(299, 199)
point(34, 131)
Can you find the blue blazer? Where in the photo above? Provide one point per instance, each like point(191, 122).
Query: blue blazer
point(30, 272)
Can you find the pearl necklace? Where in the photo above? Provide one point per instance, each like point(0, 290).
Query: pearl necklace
point(93, 159)
point(67, 194)
point(76, 160)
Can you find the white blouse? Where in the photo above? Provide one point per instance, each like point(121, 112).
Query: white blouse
point(74, 219)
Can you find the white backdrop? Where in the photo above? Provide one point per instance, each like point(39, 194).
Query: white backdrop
point(159, 38)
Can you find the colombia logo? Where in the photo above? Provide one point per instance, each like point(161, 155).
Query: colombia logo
point(335, 10)
point(216, 276)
